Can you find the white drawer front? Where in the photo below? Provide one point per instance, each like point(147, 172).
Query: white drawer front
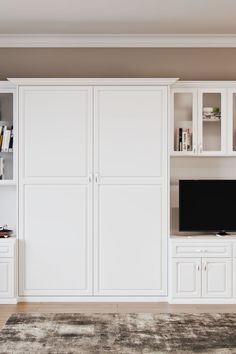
point(234, 249)
point(6, 250)
point(181, 249)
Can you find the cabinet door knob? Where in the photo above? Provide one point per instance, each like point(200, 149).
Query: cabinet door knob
point(198, 267)
point(205, 266)
point(90, 178)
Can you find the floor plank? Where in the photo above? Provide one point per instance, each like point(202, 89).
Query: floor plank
point(106, 307)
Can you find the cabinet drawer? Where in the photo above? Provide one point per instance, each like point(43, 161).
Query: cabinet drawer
point(201, 249)
point(234, 249)
point(6, 250)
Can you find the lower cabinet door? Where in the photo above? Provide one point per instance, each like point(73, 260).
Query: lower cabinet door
point(186, 278)
point(55, 243)
point(216, 277)
point(234, 276)
point(130, 242)
point(6, 278)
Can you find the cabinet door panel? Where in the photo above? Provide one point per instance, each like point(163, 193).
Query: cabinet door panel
point(130, 131)
point(55, 130)
point(56, 245)
point(216, 277)
point(234, 275)
point(186, 278)
point(184, 120)
point(131, 249)
point(212, 121)
point(6, 278)
point(130, 160)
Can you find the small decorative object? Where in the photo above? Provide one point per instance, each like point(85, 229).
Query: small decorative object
point(211, 114)
point(5, 232)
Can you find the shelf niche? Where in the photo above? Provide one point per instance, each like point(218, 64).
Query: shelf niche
point(6, 119)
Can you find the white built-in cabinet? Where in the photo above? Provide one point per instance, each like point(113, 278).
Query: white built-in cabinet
point(191, 104)
point(201, 270)
point(8, 192)
point(93, 189)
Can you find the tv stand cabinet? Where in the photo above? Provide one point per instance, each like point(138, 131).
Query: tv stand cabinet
point(202, 269)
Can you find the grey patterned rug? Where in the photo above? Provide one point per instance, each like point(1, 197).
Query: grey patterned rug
point(119, 333)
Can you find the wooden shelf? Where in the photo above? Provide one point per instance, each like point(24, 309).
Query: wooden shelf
point(211, 120)
point(7, 182)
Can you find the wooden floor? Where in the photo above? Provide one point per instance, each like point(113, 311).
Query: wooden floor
point(7, 310)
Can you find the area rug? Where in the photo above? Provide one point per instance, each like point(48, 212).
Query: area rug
point(119, 333)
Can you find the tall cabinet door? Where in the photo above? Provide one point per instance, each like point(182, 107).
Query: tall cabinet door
point(55, 190)
point(130, 190)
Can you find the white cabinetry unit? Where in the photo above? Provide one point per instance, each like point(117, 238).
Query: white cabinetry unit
point(201, 270)
point(93, 187)
point(8, 256)
point(8, 189)
point(199, 119)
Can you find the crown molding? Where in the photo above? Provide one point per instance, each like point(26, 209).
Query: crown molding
point(117, 41)
point(182, 84)
point(93, 81)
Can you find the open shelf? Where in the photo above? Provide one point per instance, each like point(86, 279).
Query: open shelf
point(6, 138)
point(6, 182)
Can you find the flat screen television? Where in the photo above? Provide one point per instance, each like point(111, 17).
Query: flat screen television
point(207, 206)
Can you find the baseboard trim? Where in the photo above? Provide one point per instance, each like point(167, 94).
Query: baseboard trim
point(92, 299)
point(216, 301)
point(108, 299)
point(8, 301)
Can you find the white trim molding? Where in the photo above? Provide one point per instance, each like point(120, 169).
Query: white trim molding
point(93, 299)
point(117, 41)
point(206, 84)
point(91, 81)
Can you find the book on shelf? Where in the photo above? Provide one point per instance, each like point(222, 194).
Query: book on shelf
point(11, 141)
point(183, 139)
point(6, 139)
point(1, 167)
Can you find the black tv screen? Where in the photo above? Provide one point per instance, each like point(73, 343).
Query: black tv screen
point(207, 205)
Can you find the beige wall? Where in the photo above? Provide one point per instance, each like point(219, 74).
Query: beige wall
point(188, 64)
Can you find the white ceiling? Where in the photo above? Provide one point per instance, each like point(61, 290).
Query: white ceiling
point(117, 17)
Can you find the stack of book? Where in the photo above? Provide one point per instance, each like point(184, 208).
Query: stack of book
point(6, 139)
point(184, 140)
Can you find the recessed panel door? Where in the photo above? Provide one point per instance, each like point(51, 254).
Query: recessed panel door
point(130, 191)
